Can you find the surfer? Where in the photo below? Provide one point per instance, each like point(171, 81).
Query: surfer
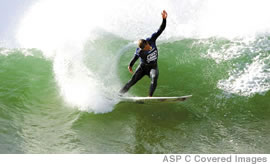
point(148, 53)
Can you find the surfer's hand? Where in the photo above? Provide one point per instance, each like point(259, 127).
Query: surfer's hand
point(164, 14)
point(130, 69)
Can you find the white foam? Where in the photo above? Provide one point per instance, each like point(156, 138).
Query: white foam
point(255, 78)
point(225, 51)
point(50, 23)
point(80, 86)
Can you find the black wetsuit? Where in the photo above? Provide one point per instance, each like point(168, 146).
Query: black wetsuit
point(148, 65)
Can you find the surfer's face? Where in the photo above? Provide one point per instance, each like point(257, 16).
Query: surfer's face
point(147, 47)
point(144, 45)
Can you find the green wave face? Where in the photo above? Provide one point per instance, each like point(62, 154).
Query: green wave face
point(228, 113)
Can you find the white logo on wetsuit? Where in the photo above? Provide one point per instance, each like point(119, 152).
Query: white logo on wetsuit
point(152, 56)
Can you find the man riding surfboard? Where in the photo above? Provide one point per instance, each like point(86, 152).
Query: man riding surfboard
point(148, 53)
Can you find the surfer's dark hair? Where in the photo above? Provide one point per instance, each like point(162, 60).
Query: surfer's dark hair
point(142, 43)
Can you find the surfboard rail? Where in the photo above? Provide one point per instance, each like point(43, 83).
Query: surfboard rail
point(154, 99)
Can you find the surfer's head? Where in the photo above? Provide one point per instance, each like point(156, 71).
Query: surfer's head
point(144, 45)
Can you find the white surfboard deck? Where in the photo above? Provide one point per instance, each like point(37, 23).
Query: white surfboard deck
point(154, 99)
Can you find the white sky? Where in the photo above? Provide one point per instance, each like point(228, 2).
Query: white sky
point(11, 11)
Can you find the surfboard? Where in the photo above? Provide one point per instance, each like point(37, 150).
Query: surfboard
point(155, 99)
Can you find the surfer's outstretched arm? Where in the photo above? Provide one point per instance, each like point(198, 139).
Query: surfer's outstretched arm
point(133, 60)
point(161, 28)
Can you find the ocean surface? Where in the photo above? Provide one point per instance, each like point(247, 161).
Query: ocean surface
point(59, 84)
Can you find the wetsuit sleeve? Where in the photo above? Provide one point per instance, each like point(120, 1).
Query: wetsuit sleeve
point(160, 30)
point(135, 58)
